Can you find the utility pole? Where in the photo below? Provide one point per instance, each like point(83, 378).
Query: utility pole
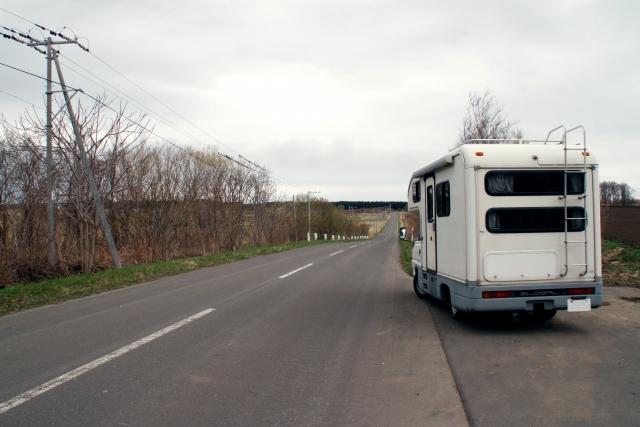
point(87, 169)
point(49, 53)
point(52, 54)
point(295, 222)
point(51, 230)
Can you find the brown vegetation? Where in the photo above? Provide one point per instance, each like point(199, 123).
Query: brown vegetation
point(162, 202)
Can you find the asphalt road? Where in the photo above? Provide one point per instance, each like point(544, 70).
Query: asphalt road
point(326, 335)
point(340, 342)
point(578, 369)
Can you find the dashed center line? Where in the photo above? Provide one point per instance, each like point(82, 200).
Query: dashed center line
point(12, 403)
point(335, 253)
point(294, 271)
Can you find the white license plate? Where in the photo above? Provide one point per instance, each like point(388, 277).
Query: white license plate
point(579, 304)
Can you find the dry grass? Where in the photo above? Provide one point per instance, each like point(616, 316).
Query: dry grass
point(620, 264)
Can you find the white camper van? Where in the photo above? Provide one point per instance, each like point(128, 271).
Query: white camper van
point(509, 225)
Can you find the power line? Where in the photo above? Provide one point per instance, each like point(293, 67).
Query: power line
point(158, 117)
point(13, 96)
point(195, 126)
point(152, 132)
point(127, 118)
point(132, 101)
point(166, 121)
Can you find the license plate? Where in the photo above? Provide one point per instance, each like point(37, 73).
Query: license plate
point(579, 304)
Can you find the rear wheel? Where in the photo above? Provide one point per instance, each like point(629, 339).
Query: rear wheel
point(416, 288)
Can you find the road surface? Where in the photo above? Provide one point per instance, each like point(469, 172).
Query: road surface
point(342, 342)
point(330, 335)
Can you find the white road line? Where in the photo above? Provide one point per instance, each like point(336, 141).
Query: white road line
point(12, 403)
point(335, 253)
point(295, 271)
point(353, 246)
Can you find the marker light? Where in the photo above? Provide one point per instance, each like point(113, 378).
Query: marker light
point(587, 153)
point(479, 153)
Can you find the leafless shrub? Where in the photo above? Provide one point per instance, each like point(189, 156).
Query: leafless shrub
point(162, 202)
point(485, 119)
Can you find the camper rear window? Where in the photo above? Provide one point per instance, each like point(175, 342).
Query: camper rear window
point(532, 183)
point(534, 220)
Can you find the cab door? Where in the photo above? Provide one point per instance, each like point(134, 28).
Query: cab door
point(429, 244)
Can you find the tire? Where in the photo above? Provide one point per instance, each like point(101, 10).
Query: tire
point(545, 315)
point(421, 295)
point(457, 314)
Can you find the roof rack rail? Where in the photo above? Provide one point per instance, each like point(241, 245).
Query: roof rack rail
point(511, 141)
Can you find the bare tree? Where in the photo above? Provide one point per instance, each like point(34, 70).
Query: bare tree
point(614, 193)
point(485, 119)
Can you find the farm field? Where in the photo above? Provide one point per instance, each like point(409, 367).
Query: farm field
point(621, 223)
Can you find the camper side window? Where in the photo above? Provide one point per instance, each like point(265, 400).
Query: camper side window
point(430, 203)
point(443, 199)
point(415, 189)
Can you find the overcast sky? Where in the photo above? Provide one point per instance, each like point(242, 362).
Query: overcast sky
point(350, 97)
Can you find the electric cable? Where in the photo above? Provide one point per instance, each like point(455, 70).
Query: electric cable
point(59, 34)
point(13, 96)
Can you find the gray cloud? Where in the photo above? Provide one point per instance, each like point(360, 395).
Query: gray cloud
point(351, 97)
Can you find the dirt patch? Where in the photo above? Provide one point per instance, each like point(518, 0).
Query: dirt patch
point(621, 223)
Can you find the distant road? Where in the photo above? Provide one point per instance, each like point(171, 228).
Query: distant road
point(325, 335)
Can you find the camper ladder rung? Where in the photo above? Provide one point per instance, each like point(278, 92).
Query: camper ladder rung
point(577, 148)
point(575, 265)
point(566, 219)
point(577, 241)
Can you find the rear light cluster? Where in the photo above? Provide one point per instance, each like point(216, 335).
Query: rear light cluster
point(581, 291)
point(497, 294)
point(509, 294)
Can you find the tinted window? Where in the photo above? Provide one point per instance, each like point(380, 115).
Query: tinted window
point(430, 203)
point(531, 183)
point(415, 188)
point(443, 199)
point(534, 220)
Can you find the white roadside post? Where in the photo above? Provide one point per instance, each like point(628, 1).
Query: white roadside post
point(308, 237)
point(325, 237)
point(315, 236)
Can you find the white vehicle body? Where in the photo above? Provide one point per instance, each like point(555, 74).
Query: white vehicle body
point(509, 227)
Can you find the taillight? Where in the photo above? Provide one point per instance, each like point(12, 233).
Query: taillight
point(580, 291)
point(496, 294)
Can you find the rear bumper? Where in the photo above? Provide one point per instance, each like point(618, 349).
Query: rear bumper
point(470, 298)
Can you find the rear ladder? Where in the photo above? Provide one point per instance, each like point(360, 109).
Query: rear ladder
point(582, 197)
